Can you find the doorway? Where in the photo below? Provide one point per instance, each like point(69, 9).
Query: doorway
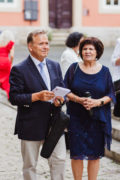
point(60, 13)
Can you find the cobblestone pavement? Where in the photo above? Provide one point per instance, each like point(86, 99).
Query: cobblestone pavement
point(10, 157)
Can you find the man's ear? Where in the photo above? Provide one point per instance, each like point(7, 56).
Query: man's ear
point(30, 47)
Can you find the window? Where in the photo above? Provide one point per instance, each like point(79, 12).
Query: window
point(6, 1)
point(9, 1)
point(109, 6)
point(10, 5)
point(113, 2)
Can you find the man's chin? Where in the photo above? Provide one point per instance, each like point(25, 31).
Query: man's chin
point(44, 55)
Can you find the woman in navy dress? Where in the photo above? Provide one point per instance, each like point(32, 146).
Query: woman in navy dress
point(89, 108)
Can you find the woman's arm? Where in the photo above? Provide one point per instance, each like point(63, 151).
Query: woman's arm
point(75, 98)
point(12, 54)
point(90, 103)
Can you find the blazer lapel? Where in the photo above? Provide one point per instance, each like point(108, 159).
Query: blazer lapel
point(36, 73)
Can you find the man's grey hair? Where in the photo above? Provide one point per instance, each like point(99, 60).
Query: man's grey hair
point(34, 33)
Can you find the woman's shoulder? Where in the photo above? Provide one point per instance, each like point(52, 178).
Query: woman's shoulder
point(10, 45)
point(106, 72)
point(105, 68)
point(73, 65)
point(71, 68)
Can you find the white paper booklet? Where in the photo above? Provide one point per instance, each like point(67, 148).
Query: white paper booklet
point(60, 91)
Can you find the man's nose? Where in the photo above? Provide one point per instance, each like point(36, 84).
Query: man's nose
point(45, 46)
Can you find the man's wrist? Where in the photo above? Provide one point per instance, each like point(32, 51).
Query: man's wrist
point(35, 97)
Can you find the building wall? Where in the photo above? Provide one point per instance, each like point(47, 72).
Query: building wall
point(93, 17)
point(87, 12)
point(16, 18)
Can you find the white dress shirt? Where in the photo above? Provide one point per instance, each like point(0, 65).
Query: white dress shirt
point(68, 57)
point(37, 62)
point(115, 56)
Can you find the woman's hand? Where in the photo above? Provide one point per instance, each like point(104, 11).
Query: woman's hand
point(90, 103)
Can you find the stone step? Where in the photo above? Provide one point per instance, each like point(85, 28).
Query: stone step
point(115, 147)
point(60, 33)
point(61, 30)
point(57, 42)
point(59, 37)
point(116, 129)
point(114, 153)
point(114, 117)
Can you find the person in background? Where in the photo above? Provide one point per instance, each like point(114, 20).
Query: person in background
point(89, 108)
point(115, 59)
point(31, 85)
point(71, 54)
point(6, 58)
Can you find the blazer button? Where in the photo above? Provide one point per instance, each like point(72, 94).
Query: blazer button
point(26, 106)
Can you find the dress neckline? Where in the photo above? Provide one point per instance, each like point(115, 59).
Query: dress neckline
point(91, 74)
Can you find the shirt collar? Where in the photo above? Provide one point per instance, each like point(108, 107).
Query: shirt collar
point(70, 49)
point(36, 61)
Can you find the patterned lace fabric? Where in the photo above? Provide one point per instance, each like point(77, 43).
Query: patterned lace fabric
point(86, 139)
point(83, 157)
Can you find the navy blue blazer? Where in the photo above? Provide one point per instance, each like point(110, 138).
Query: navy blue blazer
point(32, 117)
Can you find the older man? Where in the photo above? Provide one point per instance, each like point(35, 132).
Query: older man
point(31, 83)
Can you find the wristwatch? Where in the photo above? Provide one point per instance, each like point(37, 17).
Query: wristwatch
point(102, 103)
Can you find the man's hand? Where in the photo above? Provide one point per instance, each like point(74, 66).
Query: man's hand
point(58, 101)
point(43, 96)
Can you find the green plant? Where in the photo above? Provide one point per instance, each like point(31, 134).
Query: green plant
point(50, 36)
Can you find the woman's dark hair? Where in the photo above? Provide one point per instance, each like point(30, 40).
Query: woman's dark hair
point(73, 39)
point(95, 42)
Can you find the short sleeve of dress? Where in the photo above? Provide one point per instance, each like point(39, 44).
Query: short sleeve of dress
point(110, 87)
point(69, 75)
point(66, 79)
point(9, 46)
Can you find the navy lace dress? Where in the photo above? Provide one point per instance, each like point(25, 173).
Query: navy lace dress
point(89, 134)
